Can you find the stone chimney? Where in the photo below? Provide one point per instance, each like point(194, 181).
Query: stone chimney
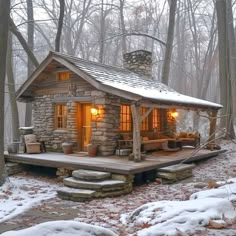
point(139, 61)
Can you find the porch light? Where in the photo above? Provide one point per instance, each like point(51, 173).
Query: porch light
point(174, 114)
point(94, 111)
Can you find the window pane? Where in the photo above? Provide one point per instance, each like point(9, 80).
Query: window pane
point(144, 123)
point(125, 118)
point(60, 116)
point(156, 119)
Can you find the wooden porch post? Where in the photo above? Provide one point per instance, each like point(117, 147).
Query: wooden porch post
point(136, 132)
point(212, 119)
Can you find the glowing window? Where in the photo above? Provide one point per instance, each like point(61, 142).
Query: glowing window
point(64, 75)
point(155, 118)
point(125, 118)
point(144, 123)
point(60, 116)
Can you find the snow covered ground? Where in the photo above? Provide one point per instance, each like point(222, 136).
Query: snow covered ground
point(21, 193)
point(148, 209)
point(62, 228)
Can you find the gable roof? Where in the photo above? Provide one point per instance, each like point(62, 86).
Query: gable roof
point(118, 81)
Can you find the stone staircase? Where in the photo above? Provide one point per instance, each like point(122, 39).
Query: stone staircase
point(86, 185)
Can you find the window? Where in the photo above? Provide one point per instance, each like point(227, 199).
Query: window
point(144, 123)
point(155, 118)
point(125, 118)
point(63, 75)
point(60, 116)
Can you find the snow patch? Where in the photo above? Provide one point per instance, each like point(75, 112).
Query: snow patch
point(62, 228)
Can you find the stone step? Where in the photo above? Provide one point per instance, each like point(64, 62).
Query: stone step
point(90, 175)
point(175, 172)
point(103, 184)
point(74, 194)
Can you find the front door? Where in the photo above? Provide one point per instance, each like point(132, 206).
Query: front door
point(85, 116)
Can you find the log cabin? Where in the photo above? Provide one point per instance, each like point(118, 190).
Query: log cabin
point(87, 102)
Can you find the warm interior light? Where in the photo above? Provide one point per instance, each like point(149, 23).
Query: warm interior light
point(174, 114)
point(94, 111)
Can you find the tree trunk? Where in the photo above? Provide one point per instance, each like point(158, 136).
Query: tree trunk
point(122, 23)
point(4, 24)
point(102, 34)
point(232, 49)
point(169, 43)
point(180, 80)
point(12, 91)
point(60, 25)
point(225, 75)
point(23, 43)
point(30, 66)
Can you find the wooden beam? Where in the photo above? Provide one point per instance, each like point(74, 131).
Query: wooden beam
point(212, 116)
point(72, 99)
point(164, 104)
point(135, 109)
point(146, 114)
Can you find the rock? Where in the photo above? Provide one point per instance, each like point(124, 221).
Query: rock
point(75, 194)
point(176, 172)
point(76, 183)
point(200, 185)
point(90, 175)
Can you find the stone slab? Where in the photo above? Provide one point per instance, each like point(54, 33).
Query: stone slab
point(177, 168)
point(90, 175)
point(76, 193)
point(75, 183)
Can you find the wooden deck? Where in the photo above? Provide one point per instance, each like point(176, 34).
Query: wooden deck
point(112, 164)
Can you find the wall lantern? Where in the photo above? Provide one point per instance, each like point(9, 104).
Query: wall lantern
point(94, 111)
point(174, 114)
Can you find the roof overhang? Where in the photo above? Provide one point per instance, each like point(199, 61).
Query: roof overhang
point(132, 95)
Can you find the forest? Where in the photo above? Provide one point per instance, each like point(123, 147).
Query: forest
point(192, 42)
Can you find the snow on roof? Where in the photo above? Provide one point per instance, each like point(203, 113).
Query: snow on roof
point(125, 80)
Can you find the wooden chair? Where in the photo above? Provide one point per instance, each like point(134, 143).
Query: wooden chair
point(31, 144)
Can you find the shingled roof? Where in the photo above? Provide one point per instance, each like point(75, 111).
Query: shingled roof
point(120, 80)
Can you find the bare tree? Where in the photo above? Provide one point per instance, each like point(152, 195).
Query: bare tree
point(169, 43)
point(224, 66)
point(30, 66)
point(122, 23)
point(60, 25)
point(12, 90)
point(4, 24)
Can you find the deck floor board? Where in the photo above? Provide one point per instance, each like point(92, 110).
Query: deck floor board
point(112, 164)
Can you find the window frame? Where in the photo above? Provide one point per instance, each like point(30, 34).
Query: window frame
point(145, 123)
point(125, 124)
point(155, 118)
point(63, 116)
point(63, 75)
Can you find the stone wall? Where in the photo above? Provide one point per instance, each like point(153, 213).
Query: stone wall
point(104, 126)
point(43, 115)
point(139, 61)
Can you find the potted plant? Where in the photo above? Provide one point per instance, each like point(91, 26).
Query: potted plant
point(67, 146)
point(92, 149)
